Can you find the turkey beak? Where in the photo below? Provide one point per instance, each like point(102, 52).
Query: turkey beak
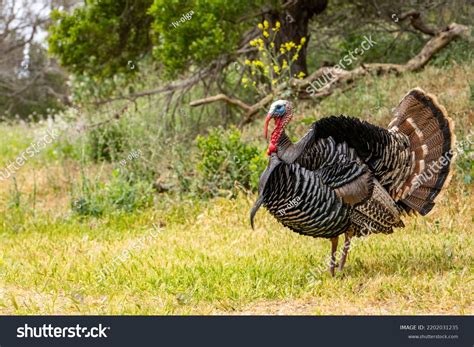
point(265, 129)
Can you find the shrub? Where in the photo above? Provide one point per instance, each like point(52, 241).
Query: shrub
point(465, 159)
point(120, 193)
point(105, 142)
point(226, 160)
point(459, 52)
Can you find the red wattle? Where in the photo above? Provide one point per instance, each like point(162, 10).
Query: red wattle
point(277, 131)
point(271, 148)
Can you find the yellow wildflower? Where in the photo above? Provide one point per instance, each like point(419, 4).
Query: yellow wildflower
point(247, 62)
point(274, 81)
point(289, 45)
point(260, 26)
point(260, 42)
point(258, 63)
point(260, 48)
point(276, 69)
point(265, 33)
point(282, 49)
point(272, 44)
point(245, 80)
point(284, 65)
point(277, 26)
point(254, 83)
point(295, 57)
point(265, 24)
point(253, 43)
point(301, 75)
point(303, 40)
point(298, 48)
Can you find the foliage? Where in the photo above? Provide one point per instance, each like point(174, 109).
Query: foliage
point(128, 31)
point(120, 29)
point(460, 51)
point(225, 160)
point(105, 142)
point(214, 29)
point(120, 193)
point(465, 160)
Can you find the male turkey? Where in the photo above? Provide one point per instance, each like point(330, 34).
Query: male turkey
point(347, 176)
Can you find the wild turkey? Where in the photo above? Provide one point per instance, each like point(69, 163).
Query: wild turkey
point(347, 176)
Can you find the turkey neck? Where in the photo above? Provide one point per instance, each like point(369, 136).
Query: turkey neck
point(283, 143)
point(288, 151)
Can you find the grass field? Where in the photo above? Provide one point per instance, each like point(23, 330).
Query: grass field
point(189, 257)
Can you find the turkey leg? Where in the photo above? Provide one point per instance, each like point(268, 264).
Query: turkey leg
point(345, 251)
point(332, 264)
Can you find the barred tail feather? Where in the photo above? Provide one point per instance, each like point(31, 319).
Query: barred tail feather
point(432, 142)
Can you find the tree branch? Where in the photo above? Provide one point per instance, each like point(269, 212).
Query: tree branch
point(417, 22)
point(221, 97)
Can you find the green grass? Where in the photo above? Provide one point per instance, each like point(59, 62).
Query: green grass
point(205, 258)
point(212, 262)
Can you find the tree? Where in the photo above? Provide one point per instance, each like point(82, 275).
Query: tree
point(195, 40)
point(102, 37)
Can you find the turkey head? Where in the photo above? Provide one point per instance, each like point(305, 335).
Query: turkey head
point(281, 111)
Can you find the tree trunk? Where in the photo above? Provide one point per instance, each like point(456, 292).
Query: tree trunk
point(294, 20)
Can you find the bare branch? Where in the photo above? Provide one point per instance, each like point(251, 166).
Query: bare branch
point(221, 97)
point(417, 22)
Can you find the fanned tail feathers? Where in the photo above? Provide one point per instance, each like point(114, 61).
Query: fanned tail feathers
point(431, 133)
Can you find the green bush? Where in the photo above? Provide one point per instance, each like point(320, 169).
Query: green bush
point(458, 52)
point(105, 142)
point(465, 159)
point(121, 193)
point(226, 160)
